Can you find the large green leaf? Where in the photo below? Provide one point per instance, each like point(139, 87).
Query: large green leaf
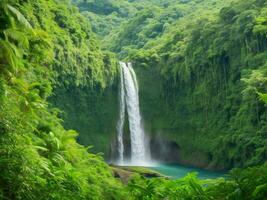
point(20, 17)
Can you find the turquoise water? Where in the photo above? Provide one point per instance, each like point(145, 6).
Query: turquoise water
point(175, 171)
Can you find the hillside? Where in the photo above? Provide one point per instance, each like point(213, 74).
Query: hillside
point(201, 67)
point(210, 60)
point(39, 159)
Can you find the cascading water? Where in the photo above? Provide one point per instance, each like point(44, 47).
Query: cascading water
point(129, 100)
point(121, 120)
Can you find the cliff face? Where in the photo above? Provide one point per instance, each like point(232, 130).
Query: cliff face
point(200, 66)
point(201, 97)
point(174, 136)
point(44, 46)
point(92, 113)
point(208, 78)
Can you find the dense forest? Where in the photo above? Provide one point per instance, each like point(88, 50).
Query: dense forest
point(202, 72)
point(210, 60)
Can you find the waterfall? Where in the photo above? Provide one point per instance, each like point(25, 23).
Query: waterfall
point(121, 119)
point(129, 101)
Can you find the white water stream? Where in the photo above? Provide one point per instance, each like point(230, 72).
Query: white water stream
point(129, 101)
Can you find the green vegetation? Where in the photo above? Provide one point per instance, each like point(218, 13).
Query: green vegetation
point(39, 159)
point(238, 186)
point(81, 73)
point(206, 65)
point(202, 70)
point(223, 80)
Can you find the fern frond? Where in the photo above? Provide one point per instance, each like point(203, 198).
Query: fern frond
point(41, 148)
point(42, 38)
point(58, 158)
point(9, 55)
point(19, 16)
point(45, 165)
point(263, 97)
point(20, 37)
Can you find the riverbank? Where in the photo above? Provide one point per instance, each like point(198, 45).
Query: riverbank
point(124, 173)
point(168, 171)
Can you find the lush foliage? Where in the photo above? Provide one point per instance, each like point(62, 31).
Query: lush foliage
point(38, 158)
point(238, 185)
point(209, 62)
point(107, 16)
point(208, 95)
point(81, 71)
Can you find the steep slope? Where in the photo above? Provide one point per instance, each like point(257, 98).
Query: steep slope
point(45, 48)
point(82, 74)
point(154, 21)
point(200, 65)
point(211, 69)
point(40, 44)
point(107, 16)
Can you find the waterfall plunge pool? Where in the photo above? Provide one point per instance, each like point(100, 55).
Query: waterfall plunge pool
point(175, 171)
point(129, 103)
